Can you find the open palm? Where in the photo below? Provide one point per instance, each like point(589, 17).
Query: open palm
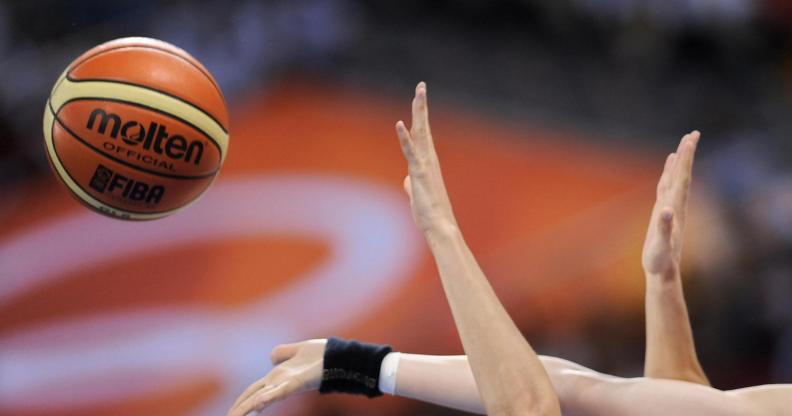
point(298, 368)
point(662, 249)
point(429, 201)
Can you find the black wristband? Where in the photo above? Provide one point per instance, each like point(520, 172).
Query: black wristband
point(352, 367)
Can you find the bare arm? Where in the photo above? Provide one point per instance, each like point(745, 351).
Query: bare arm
point(448, 381)
point(443, 380)
point(670, 351)
point(509, 375)
point(775, 399)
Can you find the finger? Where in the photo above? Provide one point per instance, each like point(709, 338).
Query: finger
point(420, 116)
point(668, 168)
point(685, 151)
point(284, 352)
point(268, 380)
point(263, 398)
point(245, 398)
point(407, 186)
point(407, 145)
point(662, 187)
point(665, 177)
point(684, 168)
point(253, 388)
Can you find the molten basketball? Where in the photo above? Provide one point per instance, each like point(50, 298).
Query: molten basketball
point(136, 128)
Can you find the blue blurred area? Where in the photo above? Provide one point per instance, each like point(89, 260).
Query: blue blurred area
point(624, 69)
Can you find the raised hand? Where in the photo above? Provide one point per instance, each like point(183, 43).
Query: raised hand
point(662, 251)
point(431, 207)
point(670, 349)
point(298, 368)
point(508, 373)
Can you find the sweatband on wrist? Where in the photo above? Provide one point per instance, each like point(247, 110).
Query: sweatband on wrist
point(352, 367)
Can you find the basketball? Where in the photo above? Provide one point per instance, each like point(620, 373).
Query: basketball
point(136, 128)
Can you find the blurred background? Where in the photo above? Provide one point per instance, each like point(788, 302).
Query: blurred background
point(552, 120)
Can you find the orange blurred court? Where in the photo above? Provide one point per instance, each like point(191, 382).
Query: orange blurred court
point(307, 218)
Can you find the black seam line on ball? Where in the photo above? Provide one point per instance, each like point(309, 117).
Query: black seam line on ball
point(153, 109)
point(123, 162)
point(112, 81)
point(65, 169)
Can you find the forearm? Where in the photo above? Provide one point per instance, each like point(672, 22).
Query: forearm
point(442, 380)
point(509, 375)
point(448, 380)
point(670, 349)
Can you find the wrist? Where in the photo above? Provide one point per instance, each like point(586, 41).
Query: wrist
point(441, 231)
point(352, 367)
point(315, 375)
point(668, 276)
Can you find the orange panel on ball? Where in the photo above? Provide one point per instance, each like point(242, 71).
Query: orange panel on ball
point(155, 65)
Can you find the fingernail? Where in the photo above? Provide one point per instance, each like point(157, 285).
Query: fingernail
point(421, 84)
point(694, 135)
point(667, 215)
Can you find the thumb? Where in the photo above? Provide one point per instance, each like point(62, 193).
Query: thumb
point(666, 223)
point(408, 186)
point(283, 352)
